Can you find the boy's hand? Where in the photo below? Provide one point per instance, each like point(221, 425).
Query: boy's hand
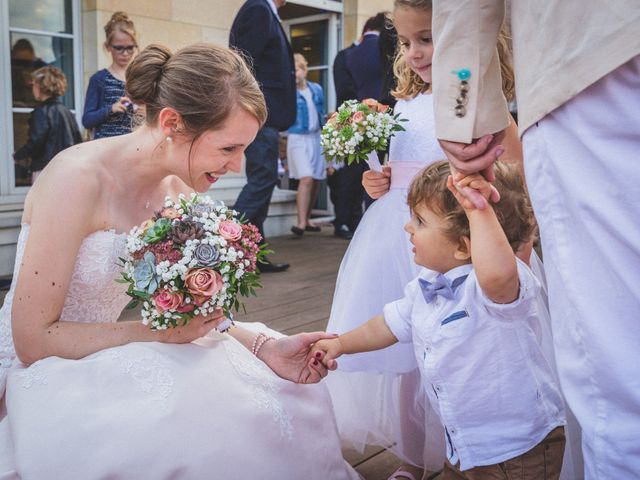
point(458, 183)
point(326, 351)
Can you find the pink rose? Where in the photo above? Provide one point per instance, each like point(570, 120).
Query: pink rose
point(167, 300)
point(169, 212)
point(371, 103)
point(382, 108)
point(202, 283)
point(230, 231)
point(357, 117)
point(333, 119)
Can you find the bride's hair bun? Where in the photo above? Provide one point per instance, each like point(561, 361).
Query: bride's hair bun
point(145, 72)
point(203, 83)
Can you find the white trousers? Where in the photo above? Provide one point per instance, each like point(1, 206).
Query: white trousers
point(582, 163)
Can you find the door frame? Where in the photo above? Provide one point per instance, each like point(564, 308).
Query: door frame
point(333, 41)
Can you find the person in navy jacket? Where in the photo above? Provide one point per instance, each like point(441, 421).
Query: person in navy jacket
point(364, 62)
point(258, 34)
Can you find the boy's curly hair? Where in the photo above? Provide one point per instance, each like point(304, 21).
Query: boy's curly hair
point(514, 210)
point(50, 80)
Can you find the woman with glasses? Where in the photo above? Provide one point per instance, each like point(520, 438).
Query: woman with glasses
point(107, 110)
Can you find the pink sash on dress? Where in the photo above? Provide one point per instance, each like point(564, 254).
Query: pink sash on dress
point(402, 173)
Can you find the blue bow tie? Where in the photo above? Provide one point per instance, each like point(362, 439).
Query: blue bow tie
point(440, 286)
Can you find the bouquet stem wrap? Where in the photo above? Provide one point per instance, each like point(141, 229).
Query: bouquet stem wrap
point(373, 162)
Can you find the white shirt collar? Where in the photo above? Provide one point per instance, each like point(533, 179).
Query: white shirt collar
point(273, 8)
point(452, 274)
point(371, 32)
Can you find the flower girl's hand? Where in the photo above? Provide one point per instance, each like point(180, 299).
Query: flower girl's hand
point(198, 327)
point(376, 184)
point(290, 357)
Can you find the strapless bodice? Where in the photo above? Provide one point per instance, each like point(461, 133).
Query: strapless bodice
point(93, 294)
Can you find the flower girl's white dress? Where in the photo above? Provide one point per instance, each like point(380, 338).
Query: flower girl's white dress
point(205, 410)
point(377, 393)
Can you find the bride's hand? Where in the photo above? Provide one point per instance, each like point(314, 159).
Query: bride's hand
point(198, 327)
point(291, 358)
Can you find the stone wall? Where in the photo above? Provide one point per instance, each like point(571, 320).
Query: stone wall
point(356, 13)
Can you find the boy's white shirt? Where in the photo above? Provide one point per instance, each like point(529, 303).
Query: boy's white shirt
point(483, 372)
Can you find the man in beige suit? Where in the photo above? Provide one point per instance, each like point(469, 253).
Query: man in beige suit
point(577, 67)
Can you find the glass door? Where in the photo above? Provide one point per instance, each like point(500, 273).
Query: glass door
point(316, 37)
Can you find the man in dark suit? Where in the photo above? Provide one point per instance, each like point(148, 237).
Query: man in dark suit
point(364, 64)
point(363, 61)
point(345, 180)
point(258, 34)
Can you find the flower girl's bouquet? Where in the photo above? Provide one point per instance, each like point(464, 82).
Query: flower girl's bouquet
point(193, 257)
point(358, 130)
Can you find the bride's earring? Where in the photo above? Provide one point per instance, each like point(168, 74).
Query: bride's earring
point(169, 138)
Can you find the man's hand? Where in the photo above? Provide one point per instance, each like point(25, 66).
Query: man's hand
point(475, 157)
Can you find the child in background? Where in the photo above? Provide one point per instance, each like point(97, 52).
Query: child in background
point(52, 127)
point(306, 162)
point(472, 319)
point(107, 109)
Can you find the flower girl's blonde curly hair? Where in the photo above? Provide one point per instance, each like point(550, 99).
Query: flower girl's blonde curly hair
point(409, 83)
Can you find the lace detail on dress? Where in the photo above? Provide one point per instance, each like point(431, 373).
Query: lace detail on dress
point(7, 350)
point(32, 376)
point(418, 143)
point(150, 372)
point(265, 391)
point(94, 295)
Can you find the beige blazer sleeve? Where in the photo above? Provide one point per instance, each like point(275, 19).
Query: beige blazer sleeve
point(465, 34)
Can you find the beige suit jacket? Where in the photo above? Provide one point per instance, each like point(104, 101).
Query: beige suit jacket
point(560, 47)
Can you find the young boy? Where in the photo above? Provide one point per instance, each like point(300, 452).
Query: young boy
point(472, 316)
point(52, 127)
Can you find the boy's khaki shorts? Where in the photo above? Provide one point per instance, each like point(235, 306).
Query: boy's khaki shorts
point(542, 462)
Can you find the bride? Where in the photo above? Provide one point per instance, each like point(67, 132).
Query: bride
point(88, 397)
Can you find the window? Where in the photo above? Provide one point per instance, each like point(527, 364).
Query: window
point(40, 32)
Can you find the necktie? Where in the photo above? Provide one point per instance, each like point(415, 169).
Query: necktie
point(440, 286)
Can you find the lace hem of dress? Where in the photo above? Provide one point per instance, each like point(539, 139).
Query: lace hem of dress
point(265, 388)
point(151, 373)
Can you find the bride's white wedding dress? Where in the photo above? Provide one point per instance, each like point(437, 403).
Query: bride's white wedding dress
point(205, 410)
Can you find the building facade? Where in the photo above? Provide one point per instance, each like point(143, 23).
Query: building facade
point(69, 34)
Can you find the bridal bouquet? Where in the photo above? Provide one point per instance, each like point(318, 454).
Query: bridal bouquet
point(193, 257)
point(358, 130)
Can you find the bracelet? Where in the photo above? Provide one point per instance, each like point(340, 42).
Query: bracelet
point(255, 341)
point(258, 342)
point(262, 343)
